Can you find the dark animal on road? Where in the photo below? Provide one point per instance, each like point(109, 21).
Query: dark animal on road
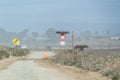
point(81, 47)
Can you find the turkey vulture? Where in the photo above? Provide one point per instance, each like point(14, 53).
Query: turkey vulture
point(62, 32)
point(80, 47)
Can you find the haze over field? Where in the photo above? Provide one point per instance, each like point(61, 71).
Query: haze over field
point(39, 15)
point(60, 39)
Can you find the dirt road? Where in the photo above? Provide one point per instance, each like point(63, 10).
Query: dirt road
point(33, 69)
point(29, 70)
point(39, 54)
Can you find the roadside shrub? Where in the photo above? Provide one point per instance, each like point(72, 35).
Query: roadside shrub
point(86, 60)
point(0, 57)
point(3, 54)
point(107, 64)
point(114, 74)
point(20, 52)
point(57, 58)
point(26, 51)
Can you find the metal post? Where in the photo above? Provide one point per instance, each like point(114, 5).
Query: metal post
point(73, 51)
point(63, 53)
point(63, 49)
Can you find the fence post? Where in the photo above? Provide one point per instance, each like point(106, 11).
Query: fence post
point(73, 51)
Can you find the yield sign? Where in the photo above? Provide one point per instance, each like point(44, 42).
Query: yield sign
point(62, 37)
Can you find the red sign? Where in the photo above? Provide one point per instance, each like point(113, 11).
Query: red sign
point(62, 37)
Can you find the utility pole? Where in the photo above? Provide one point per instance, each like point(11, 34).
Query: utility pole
point(73, 51)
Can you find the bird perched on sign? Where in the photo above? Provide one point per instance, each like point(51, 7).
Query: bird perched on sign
point(62, 33)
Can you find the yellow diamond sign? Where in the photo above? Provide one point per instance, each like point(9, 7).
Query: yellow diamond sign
point(15, 41)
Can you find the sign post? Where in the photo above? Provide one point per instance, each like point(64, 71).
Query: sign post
point(62, 35)
point(16, 42)
point(73, 51)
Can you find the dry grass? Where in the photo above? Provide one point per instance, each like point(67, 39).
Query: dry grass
point(75, 72)
point(101, 61)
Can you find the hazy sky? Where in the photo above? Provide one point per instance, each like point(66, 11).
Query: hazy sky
point(38, 15)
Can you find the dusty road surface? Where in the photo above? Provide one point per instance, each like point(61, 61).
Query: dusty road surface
point(39, 54)
point(32, 68)
point(29, 70)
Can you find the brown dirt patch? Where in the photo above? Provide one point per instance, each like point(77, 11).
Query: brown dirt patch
point(6, 62)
